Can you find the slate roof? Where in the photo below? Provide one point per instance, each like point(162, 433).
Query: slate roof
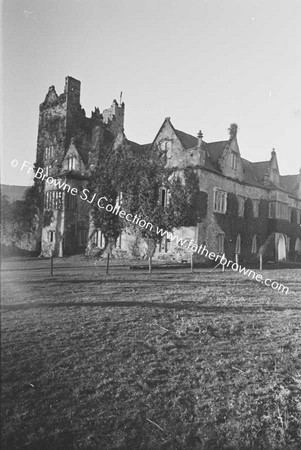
point(253, 172)
point(260, 168)
point(250, 173)
point(83, 153)
point(138, 147)
point(290, 183)
point(187, 140)
point(215, 150)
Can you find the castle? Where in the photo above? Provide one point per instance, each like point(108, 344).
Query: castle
point(268, 212)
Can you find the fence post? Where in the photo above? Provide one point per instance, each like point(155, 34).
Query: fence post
point(260, 261)
point(236, 258)
point(191, 262)
point(149, 264)
point(223, 265)
point(108, 261)
point(51, 264)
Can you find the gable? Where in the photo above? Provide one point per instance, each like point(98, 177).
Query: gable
point(167, 132)
point(72, 151)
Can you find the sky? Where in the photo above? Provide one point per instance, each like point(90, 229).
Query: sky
point(204, 63)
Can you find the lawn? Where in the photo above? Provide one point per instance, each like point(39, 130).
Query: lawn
point(171, 360)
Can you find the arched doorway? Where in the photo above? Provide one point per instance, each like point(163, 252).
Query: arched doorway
point(281, 248)
point(298, 246)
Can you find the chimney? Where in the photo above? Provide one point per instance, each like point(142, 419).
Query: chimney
point(201, 149)
point(200, 138)
point(233, 131)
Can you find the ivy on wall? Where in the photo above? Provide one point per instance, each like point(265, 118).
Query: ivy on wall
point(248, 226)
point(188, 205)
point(47, 217)
point(139, 176)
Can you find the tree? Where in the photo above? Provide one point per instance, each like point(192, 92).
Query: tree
point(188, 205)
point(104, 182)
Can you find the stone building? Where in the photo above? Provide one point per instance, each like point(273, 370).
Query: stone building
point(69, 144)
point(266, 207)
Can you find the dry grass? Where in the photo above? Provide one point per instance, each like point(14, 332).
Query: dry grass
point(170, 360)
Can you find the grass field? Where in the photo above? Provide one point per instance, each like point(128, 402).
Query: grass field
point(171, 360)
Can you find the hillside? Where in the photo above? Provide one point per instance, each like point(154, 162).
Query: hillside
point(13, 192)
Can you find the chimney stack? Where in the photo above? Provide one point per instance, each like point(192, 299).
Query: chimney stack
point(200, 138)
point(233, 131)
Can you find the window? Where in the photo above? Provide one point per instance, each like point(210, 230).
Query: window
point(278, 210)
point(53, 200)
point(254, 244)
point(51, 236)
point(119, 199)
point(272, 210)
point(221, 243)
point(48, 170)
point(71, 163)
point(49, 151)
point(163, 197)
point(165, 145)
point(98, 238)
point(256, 208)
point(164, 245)
point(83, 237)
point(241, 205)
point(220, 201)
point(298, 245)
point(238, 244)
point(282, 211)
point(234, 160)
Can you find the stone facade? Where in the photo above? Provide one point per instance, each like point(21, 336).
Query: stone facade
point(69, 145)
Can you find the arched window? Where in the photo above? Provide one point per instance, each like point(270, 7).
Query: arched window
point(163, 197)
point(234, 160)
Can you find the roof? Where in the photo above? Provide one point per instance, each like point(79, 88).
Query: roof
point(290, 182)
point(138, 147)
point(83, 153)
point(260, 168)
point(215, 150)
point(187, 140)
point(253, 172)
point(250, 174)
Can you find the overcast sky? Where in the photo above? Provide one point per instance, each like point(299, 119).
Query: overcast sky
point(204, 63)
